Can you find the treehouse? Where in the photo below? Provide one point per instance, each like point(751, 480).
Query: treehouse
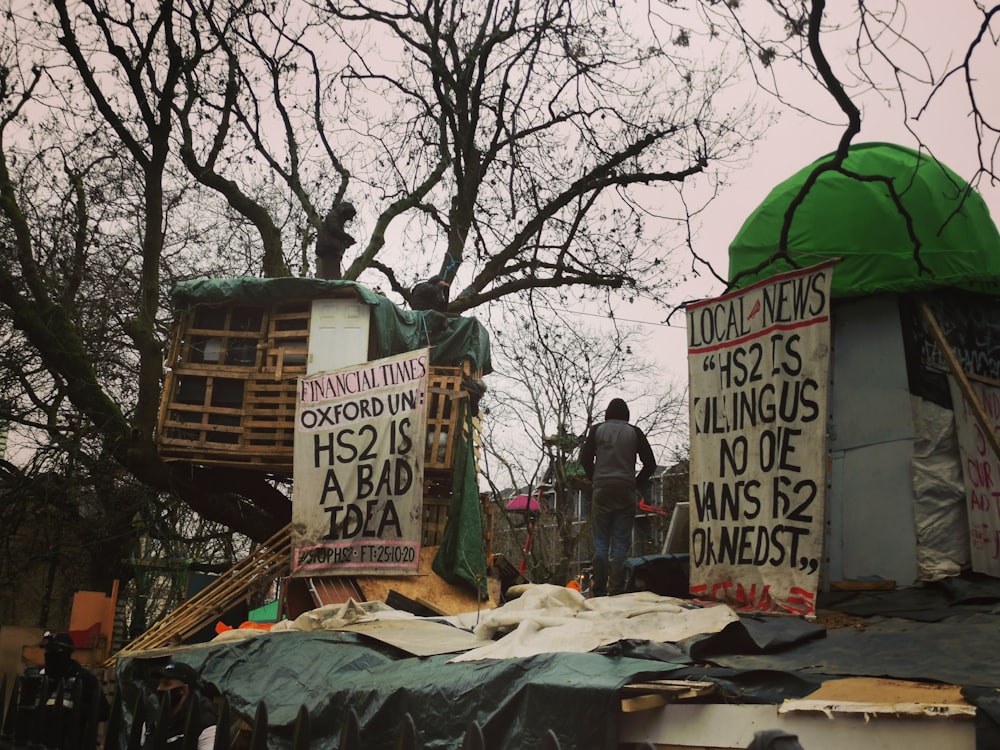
point(239, 348)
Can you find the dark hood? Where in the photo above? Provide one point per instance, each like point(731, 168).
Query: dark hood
point(617, 409)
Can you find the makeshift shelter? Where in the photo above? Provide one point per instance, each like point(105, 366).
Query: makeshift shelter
point(895, 668)
point(896, 500)
point(240, 349)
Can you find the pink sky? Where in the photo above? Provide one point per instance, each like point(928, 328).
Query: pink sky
point(943, 31)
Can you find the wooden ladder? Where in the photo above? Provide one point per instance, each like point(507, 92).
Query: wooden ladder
point(268, 561)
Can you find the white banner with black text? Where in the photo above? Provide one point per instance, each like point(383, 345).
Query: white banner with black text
point(357, 499)
point(758, 364)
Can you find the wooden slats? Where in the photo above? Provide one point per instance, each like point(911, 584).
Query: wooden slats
point(270, 560)
point(230, 390)
point(444, 388)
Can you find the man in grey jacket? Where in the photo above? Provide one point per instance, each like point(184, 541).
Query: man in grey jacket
point(608, 457)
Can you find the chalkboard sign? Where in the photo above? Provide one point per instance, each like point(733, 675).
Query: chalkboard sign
point(971, 324)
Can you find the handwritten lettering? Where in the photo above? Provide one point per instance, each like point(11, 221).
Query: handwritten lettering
point(981, 472)
point(758, 408)
point(358, 467)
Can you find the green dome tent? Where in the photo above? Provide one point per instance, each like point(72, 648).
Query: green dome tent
point(858, 222)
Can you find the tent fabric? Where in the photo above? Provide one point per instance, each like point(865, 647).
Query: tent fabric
point(514, 701)
point(452, 338)
point(523, 502)
point(857, 221)
point(461, 556)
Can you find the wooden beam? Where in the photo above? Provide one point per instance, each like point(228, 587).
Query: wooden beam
point(270, 560)
point(657, 693)
point(963, 381)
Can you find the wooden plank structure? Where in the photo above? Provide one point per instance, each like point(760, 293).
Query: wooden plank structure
point(229, 393)
point(269, 561)
point(230, 389)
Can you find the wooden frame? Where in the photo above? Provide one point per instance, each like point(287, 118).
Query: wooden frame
point(230, 389)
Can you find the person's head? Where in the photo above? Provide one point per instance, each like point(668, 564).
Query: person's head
point(617, 409)
point(436, 280)
point(58, 652)
point(177, 681)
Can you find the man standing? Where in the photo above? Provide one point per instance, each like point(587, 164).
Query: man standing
point(608, 457)
point(332, 240)
point(178, 684)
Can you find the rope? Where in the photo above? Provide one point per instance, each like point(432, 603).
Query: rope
point(427, 333)
point(451, 265)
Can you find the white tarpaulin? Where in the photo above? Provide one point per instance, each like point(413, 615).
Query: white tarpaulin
point(758, 364)
point(544, 619)
point(982, 475)
point(359, 467)
point(548, 618)
point(938, 493)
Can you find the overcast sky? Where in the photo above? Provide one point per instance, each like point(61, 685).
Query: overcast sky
point(943, 31)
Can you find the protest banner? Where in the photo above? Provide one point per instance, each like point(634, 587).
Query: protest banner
point(758, 364)
point(358, 464)
point(981, 472)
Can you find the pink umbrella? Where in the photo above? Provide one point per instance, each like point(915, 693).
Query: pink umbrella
point(523, 502)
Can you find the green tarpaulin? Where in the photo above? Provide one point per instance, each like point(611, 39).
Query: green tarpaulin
point(460, 557)
point(452, 338)
point(856, 220)
point(515, 701)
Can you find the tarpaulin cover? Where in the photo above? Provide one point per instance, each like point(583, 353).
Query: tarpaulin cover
point(752, 659)
point(514, 701)
point(857, 220)
point(452, 337)
point(461, 555)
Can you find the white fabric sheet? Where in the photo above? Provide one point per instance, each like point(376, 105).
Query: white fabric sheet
point(548, 618)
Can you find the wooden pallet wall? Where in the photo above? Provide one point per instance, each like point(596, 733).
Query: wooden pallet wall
point(230, 389)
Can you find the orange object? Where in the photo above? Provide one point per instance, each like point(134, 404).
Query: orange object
point(574, 584)
point(221, 627)
point(647, 508)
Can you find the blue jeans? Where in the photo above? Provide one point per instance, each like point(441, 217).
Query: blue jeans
point(612, 513)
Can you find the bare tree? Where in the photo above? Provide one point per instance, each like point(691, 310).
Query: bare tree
point(510, 147)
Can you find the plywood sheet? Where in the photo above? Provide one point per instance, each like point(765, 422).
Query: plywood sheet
point(426, 588)
point(872, 695)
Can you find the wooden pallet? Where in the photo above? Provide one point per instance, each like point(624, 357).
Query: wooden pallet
point(230, 390)
point(269, 561)
point(444, 390)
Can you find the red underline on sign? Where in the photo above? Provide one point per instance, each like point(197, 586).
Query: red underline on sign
point(762, 332)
